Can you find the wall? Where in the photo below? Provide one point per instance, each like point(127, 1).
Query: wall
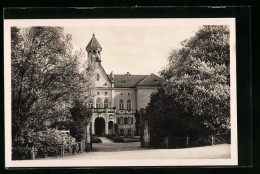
point(125, 97)
point(102, 77)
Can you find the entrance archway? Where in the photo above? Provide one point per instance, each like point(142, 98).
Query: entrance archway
point(100, 126)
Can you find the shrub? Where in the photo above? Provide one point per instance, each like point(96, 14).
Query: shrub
point(118, 140)
point(46, 143)
point(96, 140)
point(21, 153)
point(69, 125)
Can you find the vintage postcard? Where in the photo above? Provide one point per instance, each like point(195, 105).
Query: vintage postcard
point(120, 92)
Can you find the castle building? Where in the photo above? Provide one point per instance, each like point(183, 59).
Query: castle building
point(118, 96)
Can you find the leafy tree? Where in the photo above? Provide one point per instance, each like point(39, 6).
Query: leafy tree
point(81, 116)
point(167, 118)
point(197, 77)
point(46, 74)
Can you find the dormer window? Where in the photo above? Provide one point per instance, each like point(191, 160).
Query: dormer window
point(155, 80)
point(98, 77)
point(105, 84)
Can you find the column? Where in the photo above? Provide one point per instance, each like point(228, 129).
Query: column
point(106, 128)
point(88, 140)
point(93, 124)
point(146, 135)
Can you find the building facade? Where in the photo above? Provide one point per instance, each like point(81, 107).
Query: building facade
point(118, 96)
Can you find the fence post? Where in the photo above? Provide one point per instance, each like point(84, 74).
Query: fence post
point(32, 154)
point(187, 141)
point(212, 140)
point(167, 142)
point(61, 153)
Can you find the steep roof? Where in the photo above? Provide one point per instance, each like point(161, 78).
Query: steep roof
point(132, 81)
point(93, 44)
point(151, 80)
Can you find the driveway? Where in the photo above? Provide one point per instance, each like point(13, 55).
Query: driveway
point(109, 146)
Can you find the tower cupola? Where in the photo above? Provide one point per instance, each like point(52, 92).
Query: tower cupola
point(94, 49)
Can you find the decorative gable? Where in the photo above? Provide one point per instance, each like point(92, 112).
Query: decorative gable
point(101, 78)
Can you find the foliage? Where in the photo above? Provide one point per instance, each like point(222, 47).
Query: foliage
point(116, 127)
point(96, 140)
point(45, 74)
point(168, 118)
point(46, 143)
point(81, 115)
point(118, 140)
point(197, 77)
point(112, 137)
point(68, 125)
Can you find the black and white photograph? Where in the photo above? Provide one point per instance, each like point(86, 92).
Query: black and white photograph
point(120, 92)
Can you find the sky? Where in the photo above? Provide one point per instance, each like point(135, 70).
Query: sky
point(137, 49)
point(138, 46)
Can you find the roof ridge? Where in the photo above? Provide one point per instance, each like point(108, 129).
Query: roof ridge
point(144, 79)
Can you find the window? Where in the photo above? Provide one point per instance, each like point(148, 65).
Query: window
point(98, 103)
point(129, 93)
point(121, 104)
point(106, 103)
point(105, 93)
point(94, 51)
point(121, 120)
point(132, 120)
point(125, 120)
point(129, 107)
point(118, 120)
point(98, 93)
point(129, 132)
point(98, 76)
point(129, 120)
point(90, 103)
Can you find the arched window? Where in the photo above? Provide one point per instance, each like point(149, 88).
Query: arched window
point(121, 104)
point(129, 105)
point(98, 76)
point(129, 120)
point(98, 103)
point(105, 103)
point(121, 120)
point(118, 120)
point(132, 120)
point(125, 120)
point(90, 103)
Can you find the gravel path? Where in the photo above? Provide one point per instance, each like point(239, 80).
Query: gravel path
point(118, 151)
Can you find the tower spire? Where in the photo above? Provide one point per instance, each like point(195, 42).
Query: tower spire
point(94, 49)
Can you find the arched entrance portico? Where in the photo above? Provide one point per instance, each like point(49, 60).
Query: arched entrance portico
point(100, 126)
